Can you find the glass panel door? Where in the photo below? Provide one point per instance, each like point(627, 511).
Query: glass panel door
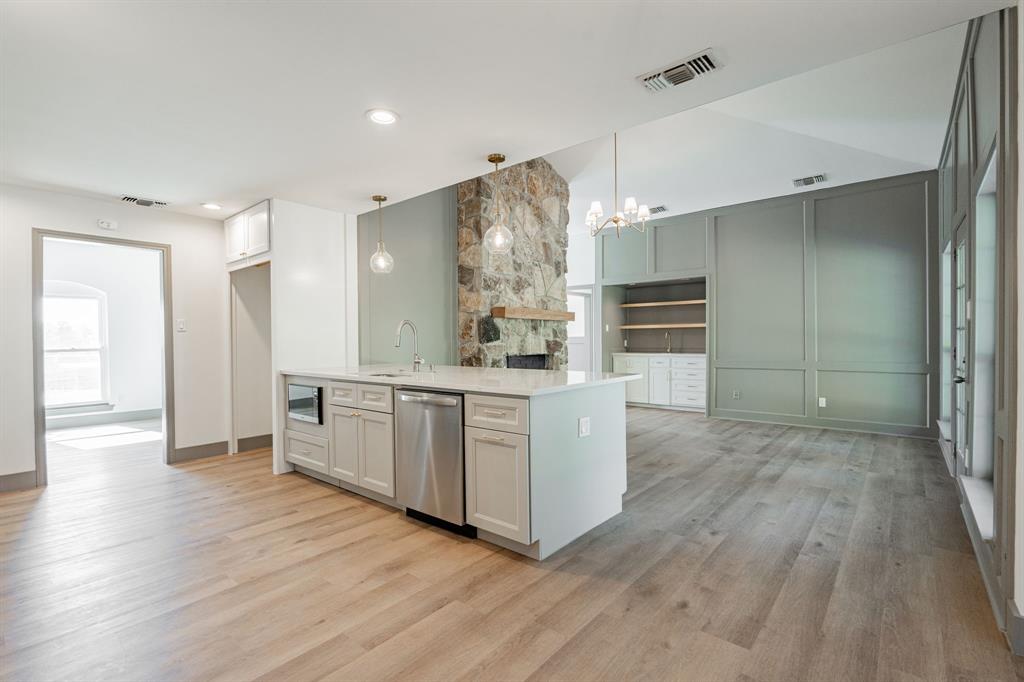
point(961, 335)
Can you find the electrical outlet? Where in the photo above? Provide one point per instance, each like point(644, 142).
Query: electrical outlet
point(736, 395)
point(584, 427)
point(822, 401)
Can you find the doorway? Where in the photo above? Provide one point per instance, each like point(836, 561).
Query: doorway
point(580, 330)
point(103, 360)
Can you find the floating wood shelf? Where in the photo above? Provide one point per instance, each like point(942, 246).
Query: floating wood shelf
point(686, 325)
point(657, 304)
point(531, 314)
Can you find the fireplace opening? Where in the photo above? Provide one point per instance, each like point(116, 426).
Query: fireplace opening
point(534, 361)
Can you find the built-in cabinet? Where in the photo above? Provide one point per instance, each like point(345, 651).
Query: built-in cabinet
point(362, 435)
point(498, 482)
point(247, 236)
point(674, 380)
point(356, 443)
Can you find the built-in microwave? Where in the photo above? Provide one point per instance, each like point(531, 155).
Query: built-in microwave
point(305, 403)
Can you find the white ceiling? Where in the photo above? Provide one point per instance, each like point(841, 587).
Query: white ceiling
point(872, 116)
point(233, 102)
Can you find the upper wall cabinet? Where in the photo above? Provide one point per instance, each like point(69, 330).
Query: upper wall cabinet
point(680, 246)
point(624, 257)
point(670, 247)
point(985, 83)
point(247, 236)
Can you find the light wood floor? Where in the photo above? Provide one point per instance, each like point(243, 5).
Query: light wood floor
point(745, 552)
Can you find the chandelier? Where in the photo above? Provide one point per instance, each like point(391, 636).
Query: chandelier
point(631, 215)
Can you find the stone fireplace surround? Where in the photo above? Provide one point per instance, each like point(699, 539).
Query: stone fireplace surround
point(536, 198)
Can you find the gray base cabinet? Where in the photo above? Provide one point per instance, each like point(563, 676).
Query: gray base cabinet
point(344, 424)
point(305, 450)
point(376, 452)
point(498, 483)
point(362, 441)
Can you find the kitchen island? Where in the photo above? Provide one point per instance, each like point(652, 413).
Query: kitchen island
point(542, 453)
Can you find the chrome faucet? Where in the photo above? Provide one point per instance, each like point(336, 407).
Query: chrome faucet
point(416, 359)
point(668, 342)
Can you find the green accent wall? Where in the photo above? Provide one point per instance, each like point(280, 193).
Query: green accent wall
point(420, 234)
point(831, 294)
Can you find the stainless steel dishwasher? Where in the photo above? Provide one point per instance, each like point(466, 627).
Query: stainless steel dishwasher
point(429, 454)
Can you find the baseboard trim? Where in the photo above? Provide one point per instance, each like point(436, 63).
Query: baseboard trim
point(1015, 630)
point(255, 442)
point(23, 480)
point(94, 418)
point(198, 452)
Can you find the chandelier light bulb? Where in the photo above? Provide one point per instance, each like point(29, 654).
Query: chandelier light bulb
point(643, 213)
point(629, 208)
point(498, 239)
point(381, 261)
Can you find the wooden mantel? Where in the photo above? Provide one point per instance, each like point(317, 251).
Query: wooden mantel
point(510, 313)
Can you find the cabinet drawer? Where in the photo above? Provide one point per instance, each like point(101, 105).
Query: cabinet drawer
point(689, 375)
point(306, 451)
point(688, 386)
point(375, 397)
point(501, 414)
point(688, 398)
point(688, 361)
point(658, 362)
point(341, 393)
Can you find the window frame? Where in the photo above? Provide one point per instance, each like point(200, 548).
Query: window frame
point(61, 289)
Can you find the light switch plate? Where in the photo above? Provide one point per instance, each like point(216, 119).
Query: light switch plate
point(584, 427)
point(822, 401)
point(179, 324)
point(735, 395)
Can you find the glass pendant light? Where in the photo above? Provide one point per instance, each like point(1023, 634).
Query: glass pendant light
point(381, 261)
point(498, 238)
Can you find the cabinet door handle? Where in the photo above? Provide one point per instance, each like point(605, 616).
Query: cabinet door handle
point(355, 414)
point(494, 413)
point(493, 439)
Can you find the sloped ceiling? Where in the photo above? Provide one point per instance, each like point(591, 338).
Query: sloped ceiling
point(235, 101)
point(877, 115)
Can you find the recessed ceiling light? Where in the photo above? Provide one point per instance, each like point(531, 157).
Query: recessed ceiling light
point(382, 117)
point(212, 206)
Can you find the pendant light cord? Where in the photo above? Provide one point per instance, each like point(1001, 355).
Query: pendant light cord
point(615, 155)
point(380, 223)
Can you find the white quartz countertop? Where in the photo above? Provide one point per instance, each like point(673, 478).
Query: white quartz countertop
point(518, 382)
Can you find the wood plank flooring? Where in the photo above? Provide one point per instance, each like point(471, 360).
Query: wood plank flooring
point(746, 552)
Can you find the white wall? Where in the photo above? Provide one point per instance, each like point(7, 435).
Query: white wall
point(199, 288)
point(579, 259)
point(253, 408)
point(314, 296)
point(130, 278)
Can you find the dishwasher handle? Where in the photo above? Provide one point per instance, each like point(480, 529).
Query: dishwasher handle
point(428, 399)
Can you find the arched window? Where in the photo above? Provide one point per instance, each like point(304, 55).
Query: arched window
point(74, 344)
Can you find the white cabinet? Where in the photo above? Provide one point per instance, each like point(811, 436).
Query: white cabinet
point(498, 483)
point(498, 413)
point(637, 391)
point(247, 235)
point(362, 447)
point(376, 446)
point(305, 450)
point(660, 381)
point(344, 461)
point(235, 237)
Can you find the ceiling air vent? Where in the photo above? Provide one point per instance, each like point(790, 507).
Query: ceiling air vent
point(809, 180)
point(142, 202)
point(658, 209)
point(684, 71)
